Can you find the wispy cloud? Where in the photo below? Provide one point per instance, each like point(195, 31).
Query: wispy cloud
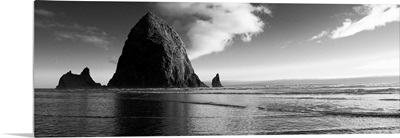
point(319, 36)
point(43, 12)
point(56, 25)
point(285, 44)
point(99, 41)
point(362, 10)
point(77, 32)
point(373, 16)
point(212, 26)
point(376, 16)
point(47, 24)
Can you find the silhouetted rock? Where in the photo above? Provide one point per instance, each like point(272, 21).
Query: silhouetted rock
point(154, 56)
point(215, 81)
point(73, 81)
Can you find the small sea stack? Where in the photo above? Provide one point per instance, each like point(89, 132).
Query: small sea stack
point(215, 81)
point(77, 81)
point(154, 56)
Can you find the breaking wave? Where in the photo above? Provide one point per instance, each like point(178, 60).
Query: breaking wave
point(333, 131)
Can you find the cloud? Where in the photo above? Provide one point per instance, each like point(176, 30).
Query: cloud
point(376, 16)
point(285, 44)
point(47, 24)
point(77, 32)
point(56, 25)
point(211, 27)
point(43, 12)
point(318, 36)
point(362, 10)
point(99, 41)
point(372, 16)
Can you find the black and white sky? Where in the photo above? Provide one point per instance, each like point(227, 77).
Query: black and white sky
point(240, 41)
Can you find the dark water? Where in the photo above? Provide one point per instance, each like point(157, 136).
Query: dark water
point(175, 112)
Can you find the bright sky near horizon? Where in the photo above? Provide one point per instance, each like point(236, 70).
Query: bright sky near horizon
point(238, 41)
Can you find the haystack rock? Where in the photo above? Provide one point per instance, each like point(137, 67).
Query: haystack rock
point(215, 81)
point(74, 81)
point(154, 56)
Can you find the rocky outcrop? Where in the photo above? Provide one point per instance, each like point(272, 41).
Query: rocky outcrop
point(215, 81)
point(154, 56)
point(75, 81)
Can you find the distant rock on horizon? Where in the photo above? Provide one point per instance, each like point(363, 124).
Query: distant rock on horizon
point(215, 81)
point(154, 56)
point(75, 81)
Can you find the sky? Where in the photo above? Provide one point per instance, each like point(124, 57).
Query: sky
point(240, 41)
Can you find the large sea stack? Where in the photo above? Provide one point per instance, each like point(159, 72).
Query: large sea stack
point(77, 81)
point(215, 81)
point(154, 56)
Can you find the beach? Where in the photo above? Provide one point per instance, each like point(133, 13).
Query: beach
point(210, 111)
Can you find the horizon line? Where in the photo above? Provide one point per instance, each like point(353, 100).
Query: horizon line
point(322, 78)
point(359, 77)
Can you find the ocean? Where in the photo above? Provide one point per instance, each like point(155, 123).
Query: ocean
point(216, 111)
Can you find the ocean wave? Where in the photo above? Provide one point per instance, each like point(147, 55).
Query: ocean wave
point(315, 110)
point(319, 98)
point(389, 99)
point(364, 114)
point(328, 110)
point(192, 102)
point(332, 131)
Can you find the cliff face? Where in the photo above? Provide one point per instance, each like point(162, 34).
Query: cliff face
point(154, 56)
point(74, 81)
point(215, 81)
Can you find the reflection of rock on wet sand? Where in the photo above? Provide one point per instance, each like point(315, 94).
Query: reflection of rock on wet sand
point(172, 114)
point(141, 114)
